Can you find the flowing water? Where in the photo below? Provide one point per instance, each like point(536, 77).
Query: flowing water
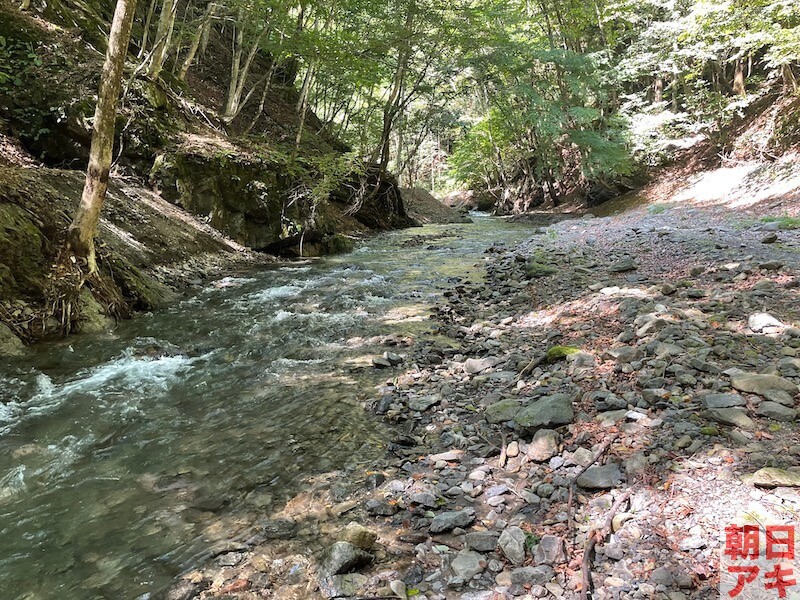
point(121, 453)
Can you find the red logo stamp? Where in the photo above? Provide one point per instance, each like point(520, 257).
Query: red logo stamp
point(757, 562)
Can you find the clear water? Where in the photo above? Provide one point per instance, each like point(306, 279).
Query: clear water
point(124, 457)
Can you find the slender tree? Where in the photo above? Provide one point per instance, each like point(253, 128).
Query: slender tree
point(82, 231)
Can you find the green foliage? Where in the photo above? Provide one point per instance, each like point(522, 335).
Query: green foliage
point(784, 222)
point(557, 353)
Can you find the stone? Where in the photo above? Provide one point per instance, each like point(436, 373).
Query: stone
point(771, 477)
point(771, 265)
point(760, 322)
point(754, 383)
point(623, 266)
point(380, 363)
point(359, 536)
point(502, 411)
point(423, 403)
point(770, 238)
point(447, 521)
point(482, 541)
point(600, 478)
point(549, 551)
point(10, 344)
point(343, 557)
point(467, 564)
point(381, 507)
point(662, 576)
point(394, 359)
point(544, 445)
point(532, 575)
point(512, 544)
point(736, 417)
point(473, 366)
point(623, 354)
point(342, 586)
point(545, 412)
point(776, 412)
point(722, 401)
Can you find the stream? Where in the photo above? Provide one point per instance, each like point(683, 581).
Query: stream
point(121, 453)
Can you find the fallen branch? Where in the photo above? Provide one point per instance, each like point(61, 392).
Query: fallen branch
point(596, 536)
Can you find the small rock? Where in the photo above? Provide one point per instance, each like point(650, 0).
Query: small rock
point(600, 478)
point(512, 544)
point(730, 416)
point(544, 445)
point(447, 521)
point(482, 541)
point(771, 477)
point(770, 238)
point(547, 411)
point(532, 575)
point(753, 383)
point(549, 551)
point(760, 322)
point(775, 411)
point(467, 564)
point(342, 557)
point(359, 536)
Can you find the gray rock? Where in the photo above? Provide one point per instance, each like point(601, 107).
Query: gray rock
point(775, 411)
point(380, 363)
point(546, 412)
point(532, 575)
point(544, 445)
point(759, 322)
point(771, 477)
point(722, 401)
point(662, 576)
point(754, 383)
point(770, 238)
point(780, 397)
point(623, 266)
point(394, 359)
point(730, 416)
point(467, 564)
point(10, 345)
point(550, 551)
point(623, 354)
point(512, 544)
point(473, 366)
point(447, 521)
point(502, 411)
point(342, 557)
point(600, 478)
point(482, 541)
point(771, 265)
point(423, 403)
point(342, 586)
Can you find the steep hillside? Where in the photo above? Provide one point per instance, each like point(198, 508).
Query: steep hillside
point(186, 183)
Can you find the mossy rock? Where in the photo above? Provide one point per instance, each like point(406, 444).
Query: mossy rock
point(557, 353)
point(338, 244)
point(23, 264)
point(537, 270)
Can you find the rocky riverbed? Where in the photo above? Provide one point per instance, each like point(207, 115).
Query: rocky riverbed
point(589, 416)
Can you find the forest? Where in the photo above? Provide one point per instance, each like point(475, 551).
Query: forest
point(360, 299)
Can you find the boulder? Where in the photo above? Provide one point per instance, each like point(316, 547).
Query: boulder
point(546, 412)
point(600, 478)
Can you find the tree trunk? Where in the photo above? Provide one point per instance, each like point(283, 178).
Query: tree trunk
point(166, 23)
point(738, 79)
point(82, 231)
point(146, 28)
point(658, 90)
point(789, 80)
point(194, 46)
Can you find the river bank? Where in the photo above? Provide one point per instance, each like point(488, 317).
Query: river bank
point(640, 369)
